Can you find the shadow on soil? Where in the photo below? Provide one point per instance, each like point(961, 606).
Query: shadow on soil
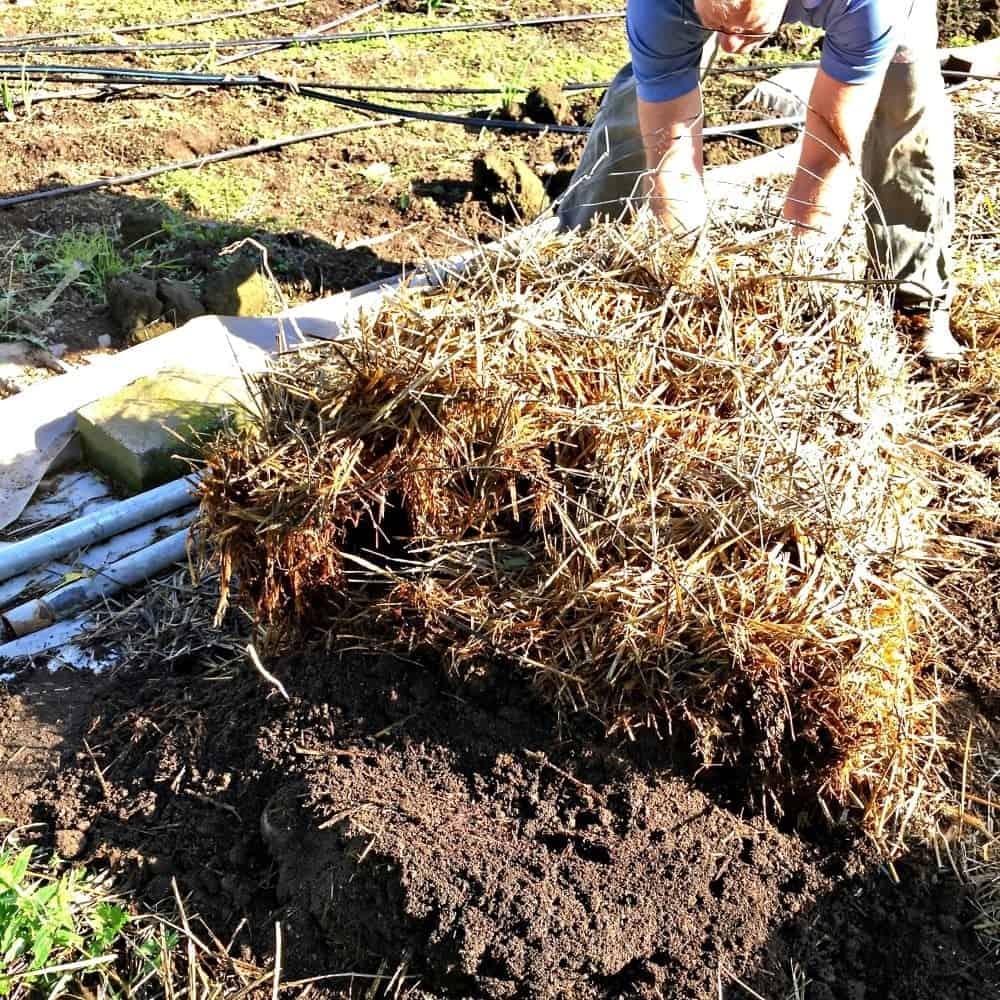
point(157, 243)
point(393, 819)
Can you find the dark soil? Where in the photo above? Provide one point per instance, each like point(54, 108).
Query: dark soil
point(392, 818)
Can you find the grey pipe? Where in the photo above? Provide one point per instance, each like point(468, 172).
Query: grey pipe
point(58, 636)
point(22, 556)
point(61, 603)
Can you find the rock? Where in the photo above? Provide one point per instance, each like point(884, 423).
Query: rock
point(508, 185)
point(151, 332)
point(104, 341)
point(239, 290)
point(70, 844)
point(141, 226)
point(548, 105)
point(133, 302)
point(180, 303)
point(141, 435)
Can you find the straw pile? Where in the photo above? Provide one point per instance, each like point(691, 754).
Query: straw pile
point(676, 490)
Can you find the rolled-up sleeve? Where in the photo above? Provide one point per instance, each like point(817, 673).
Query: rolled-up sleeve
point(665, 48)
point(860, 39)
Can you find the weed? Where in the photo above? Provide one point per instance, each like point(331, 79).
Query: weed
point(93, 256)
point(218, 194)
point(180, 228)
point(7, 98)
point(58, 927)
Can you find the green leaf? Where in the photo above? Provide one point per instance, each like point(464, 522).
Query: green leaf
point(41, 948)
point(108, 921)
point(15, 875)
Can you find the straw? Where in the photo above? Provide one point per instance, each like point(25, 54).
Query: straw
point(686, 491)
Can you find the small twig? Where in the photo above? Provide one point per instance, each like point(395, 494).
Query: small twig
point(100, 774)
point(582, 785)
point(276, 986)
point(267, 675)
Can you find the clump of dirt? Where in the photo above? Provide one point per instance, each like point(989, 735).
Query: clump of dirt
point(508, 185)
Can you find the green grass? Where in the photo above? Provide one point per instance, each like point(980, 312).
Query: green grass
point(62, 932)
point(228, 195)
point(93, 255)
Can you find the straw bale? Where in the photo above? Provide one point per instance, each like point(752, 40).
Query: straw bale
point(680, 490)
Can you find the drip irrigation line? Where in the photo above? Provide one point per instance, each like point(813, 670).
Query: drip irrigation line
point(113, 90)
point(235, 153)
point(496, 124)
point(146, 77)
point(318, 29)
point(52, 73)
point(135, 29)
point(310, 38)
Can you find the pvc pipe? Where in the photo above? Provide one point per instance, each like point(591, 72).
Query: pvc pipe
point(22, 556)
point(134, 569)
point(93, 559)
point(56, 636)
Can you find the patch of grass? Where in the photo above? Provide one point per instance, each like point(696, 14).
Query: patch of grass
point(66, 932)
point(521, 57)
point(60, 929)
point(226, 195)
point(180, 228)
point(93, 254)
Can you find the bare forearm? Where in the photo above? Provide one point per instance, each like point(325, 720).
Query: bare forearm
point(836, 123)
point(672, 137)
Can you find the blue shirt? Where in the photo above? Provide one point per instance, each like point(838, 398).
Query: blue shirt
point(666, 38)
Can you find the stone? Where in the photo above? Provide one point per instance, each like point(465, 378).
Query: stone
point(547, 105)
point(70, 844)
point(141, 435)
point(141, 226)
point(239, 290)
point(180, 302)
point(133, 302)
point(508, 185)
point(104, 341)
point(151, 332)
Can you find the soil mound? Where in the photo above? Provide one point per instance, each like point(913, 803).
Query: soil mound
point(460, 836)
point(516, 864)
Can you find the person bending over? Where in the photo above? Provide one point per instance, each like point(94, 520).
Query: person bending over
point(878, 103)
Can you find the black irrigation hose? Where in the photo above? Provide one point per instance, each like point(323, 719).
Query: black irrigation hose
point(496, 124)
point(153, 78)
point(312, 39)
point(112, 74)
point(135, 29)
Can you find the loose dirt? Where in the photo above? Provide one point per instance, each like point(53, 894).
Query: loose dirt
point(393, 818)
